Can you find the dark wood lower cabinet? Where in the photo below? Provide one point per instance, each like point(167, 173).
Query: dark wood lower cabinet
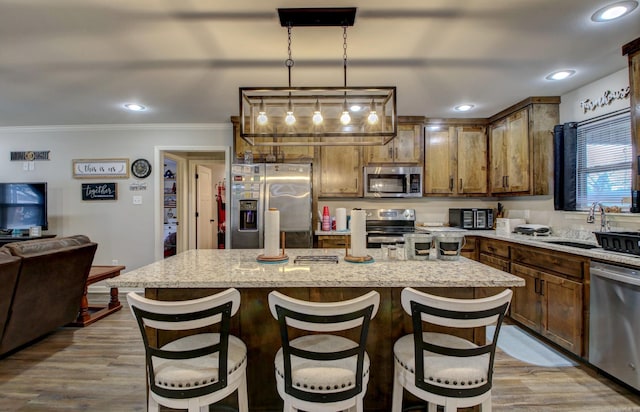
point(259, 330)
point(552, 303)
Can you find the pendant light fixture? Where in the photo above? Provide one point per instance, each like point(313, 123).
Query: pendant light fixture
point(317, 116)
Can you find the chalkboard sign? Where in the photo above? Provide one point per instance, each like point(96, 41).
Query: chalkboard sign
point(99, 191)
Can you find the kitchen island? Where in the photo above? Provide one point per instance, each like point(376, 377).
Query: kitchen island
point(197, 273)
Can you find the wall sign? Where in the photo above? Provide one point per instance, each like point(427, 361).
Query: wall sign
point(31, 155)
point(607, 97)
point(99, 191)
point(97, 168)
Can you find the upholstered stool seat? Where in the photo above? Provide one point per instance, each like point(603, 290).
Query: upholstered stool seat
point(321, 371)
point(322, 376)
point(201, 363)
point(444, 368)
point(201, 371)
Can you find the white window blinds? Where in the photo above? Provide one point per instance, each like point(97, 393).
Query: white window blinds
point(604, 161)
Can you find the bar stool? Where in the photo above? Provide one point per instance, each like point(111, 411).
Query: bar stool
point(319, 371)
point(193, 371)
point(449, 370)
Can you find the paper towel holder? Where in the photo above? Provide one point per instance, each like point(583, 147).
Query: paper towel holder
point(283, 257)
point(354, 259)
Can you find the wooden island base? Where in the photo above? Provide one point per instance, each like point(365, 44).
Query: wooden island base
point(91, 313)
point(259, 330)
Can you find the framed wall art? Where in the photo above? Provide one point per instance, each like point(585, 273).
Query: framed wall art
point(99, 191)
point(100, 168)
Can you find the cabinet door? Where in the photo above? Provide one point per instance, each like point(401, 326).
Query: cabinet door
point(517, 179)
point(498, 155)
point(525, 305)
point(440, 161)
point(406, 147)
point(340, 173)
point(510, 154)
point(408, 144)
point(472, 148)
point(562, 311)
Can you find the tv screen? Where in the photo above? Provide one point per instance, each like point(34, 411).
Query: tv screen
point(23, 205)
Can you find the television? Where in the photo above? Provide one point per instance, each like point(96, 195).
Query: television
point(23, 205)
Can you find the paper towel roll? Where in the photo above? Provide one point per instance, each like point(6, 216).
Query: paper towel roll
point(272, 233)
point(341, 218)
point(358, 233)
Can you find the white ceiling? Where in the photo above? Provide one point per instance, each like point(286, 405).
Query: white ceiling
point(65, 62)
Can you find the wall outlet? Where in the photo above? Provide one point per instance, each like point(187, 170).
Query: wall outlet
point(526, 214)
point(114, 262)
point(137, 200)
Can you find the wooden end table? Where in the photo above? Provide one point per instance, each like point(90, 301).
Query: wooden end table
point(91, 313)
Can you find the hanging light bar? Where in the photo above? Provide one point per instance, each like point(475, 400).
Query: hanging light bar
point(316, 116)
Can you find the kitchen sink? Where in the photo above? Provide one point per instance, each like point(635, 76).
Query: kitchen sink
point(572, 244)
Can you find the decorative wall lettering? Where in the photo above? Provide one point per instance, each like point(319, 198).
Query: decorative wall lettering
point(135, 186)
point(31, 155)
point(607, 97)
point(97, 168)
point(99, 191)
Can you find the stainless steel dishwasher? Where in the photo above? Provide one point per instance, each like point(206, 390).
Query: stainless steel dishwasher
point(614, 326)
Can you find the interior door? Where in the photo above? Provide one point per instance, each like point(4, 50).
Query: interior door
point(206, 227)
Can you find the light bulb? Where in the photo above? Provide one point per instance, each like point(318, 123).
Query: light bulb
point(317, 115)
point(290, 119)
point(345, 118)
point(317, 118)
point(373, 117)
point(262, 118)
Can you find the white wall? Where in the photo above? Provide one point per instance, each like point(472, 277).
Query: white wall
point(123, 231)
point(570, 107)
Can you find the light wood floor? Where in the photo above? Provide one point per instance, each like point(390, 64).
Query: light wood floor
point(101, 368)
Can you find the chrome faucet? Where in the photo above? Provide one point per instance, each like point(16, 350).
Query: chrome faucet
point(604, 222)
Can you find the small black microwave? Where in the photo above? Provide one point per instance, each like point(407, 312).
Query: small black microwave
point(471, 218)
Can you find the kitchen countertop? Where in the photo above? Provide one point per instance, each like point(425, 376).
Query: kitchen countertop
point(213, 268)
point(542, 242)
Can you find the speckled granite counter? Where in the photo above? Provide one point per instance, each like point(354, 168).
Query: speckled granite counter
point(214, 268)
point(597, 253)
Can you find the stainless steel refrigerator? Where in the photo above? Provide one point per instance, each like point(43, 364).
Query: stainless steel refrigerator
point(258, 187)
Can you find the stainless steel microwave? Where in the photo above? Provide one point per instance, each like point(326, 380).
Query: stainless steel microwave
point(392, 181)
point(471, 218)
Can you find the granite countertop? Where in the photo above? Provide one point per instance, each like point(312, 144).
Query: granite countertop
point(597, 253)
point(238, 268)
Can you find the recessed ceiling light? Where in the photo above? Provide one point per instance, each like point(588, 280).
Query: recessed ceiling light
point(134, 107)
point(560, 74)
point(463, 108)
point(614, 11)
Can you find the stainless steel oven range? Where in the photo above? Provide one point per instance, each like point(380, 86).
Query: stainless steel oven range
point(387, 226)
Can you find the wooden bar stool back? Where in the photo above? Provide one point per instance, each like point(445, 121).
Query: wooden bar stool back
point(201, 368)
point(440, 368)
point(318, 370)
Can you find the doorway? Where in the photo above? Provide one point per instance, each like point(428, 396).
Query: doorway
point(195, 218)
